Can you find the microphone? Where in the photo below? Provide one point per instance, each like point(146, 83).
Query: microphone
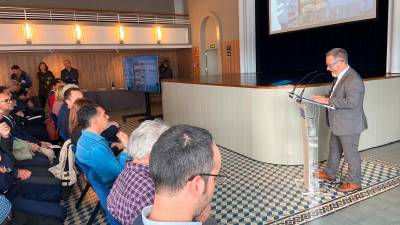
point(302, 79)
point(315, 77)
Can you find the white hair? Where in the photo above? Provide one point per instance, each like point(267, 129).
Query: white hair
point(143, 138)
point(68, 86)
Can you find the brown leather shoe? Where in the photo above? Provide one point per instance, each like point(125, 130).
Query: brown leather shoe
point(349, 187)
point(323, 176)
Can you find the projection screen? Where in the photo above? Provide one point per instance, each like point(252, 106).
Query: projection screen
point(291, 15)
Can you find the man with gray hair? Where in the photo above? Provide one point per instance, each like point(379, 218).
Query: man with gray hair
point(134, 188)
point(347, 121)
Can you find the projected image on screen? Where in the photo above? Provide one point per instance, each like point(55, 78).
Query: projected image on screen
point(141, 73)
point(291, 15)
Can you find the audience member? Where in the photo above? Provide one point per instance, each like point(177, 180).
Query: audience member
point(134, 188)
point(23, 109)
point(75, 130)
point(6, 106)
point(58, 101)
point(46, 80)
point(165, 70)
point(184, 165)
point(71, 94)
point(93, 150)
point(8, 216)
point(69, 75)
point(18, 95)
point(52, 98)
point(31, 192)
point(21, 77)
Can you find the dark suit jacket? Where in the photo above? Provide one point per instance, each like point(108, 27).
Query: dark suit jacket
point(348, 118)
point(16, 129)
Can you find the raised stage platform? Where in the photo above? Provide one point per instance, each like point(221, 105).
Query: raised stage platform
point(259, 121)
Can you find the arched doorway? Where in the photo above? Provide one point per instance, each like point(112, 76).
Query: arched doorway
point(210, 46)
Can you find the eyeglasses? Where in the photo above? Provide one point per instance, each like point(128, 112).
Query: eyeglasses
point(336, 61)
point(8, 100)
point(220, 178)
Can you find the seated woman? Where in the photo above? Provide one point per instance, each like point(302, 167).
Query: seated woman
point(52, 94)
point(75, 130)
point(58, 100)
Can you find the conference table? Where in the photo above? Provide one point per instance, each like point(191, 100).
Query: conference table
point(116, 100)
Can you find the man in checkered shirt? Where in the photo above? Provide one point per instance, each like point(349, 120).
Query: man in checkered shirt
point(134, 189)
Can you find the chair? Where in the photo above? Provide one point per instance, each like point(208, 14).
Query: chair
point(101, 191)
point(83, 190)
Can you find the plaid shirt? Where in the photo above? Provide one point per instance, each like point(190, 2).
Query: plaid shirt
point(131, 192)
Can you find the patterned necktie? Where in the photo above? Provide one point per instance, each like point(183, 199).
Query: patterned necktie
point(333, 85)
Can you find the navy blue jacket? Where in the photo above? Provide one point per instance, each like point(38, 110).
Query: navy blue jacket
point(7, 180)
point(24, 79)
point(17, 131)
point(63, 122)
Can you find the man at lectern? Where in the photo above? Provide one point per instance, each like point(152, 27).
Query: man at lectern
point(347, 121)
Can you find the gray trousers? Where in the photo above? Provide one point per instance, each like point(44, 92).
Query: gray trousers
point(348, 145)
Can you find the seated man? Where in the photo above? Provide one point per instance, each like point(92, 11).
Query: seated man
point(71, 94)
point(134, 188)
point(93, 150)
point(184, 165)
point(6, 106)
point(32, 194)
point(29, 115)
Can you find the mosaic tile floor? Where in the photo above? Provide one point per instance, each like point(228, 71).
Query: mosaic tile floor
point(261, 193)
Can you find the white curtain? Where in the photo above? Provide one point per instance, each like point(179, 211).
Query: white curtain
point(247, 36)
point(393, 46)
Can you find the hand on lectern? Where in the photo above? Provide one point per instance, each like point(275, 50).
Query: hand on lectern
point(320, 99)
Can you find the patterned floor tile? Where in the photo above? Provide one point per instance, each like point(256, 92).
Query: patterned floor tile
point(258, 193)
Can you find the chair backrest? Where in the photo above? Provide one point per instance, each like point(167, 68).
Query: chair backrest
point(101, 189)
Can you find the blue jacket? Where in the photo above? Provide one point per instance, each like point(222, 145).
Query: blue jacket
point(24, 79)
point(93, 150)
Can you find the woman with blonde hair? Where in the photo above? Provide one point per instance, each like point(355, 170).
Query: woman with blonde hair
point(58, 100)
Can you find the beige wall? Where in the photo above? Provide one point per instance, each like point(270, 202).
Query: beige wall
point(227, 12)
point(211, 33)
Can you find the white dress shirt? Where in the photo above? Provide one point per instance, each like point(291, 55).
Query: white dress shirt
point(339, 77)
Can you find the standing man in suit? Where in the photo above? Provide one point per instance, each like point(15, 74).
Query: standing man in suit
point(347, 121)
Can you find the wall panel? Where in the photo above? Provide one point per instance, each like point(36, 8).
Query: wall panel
point(231, 64)
point(264, 124)
point(97, 68)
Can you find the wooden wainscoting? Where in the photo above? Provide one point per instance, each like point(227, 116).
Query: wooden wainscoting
point(230, 57)
point(97, 69)
point(184, 57)
point(195, 62)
